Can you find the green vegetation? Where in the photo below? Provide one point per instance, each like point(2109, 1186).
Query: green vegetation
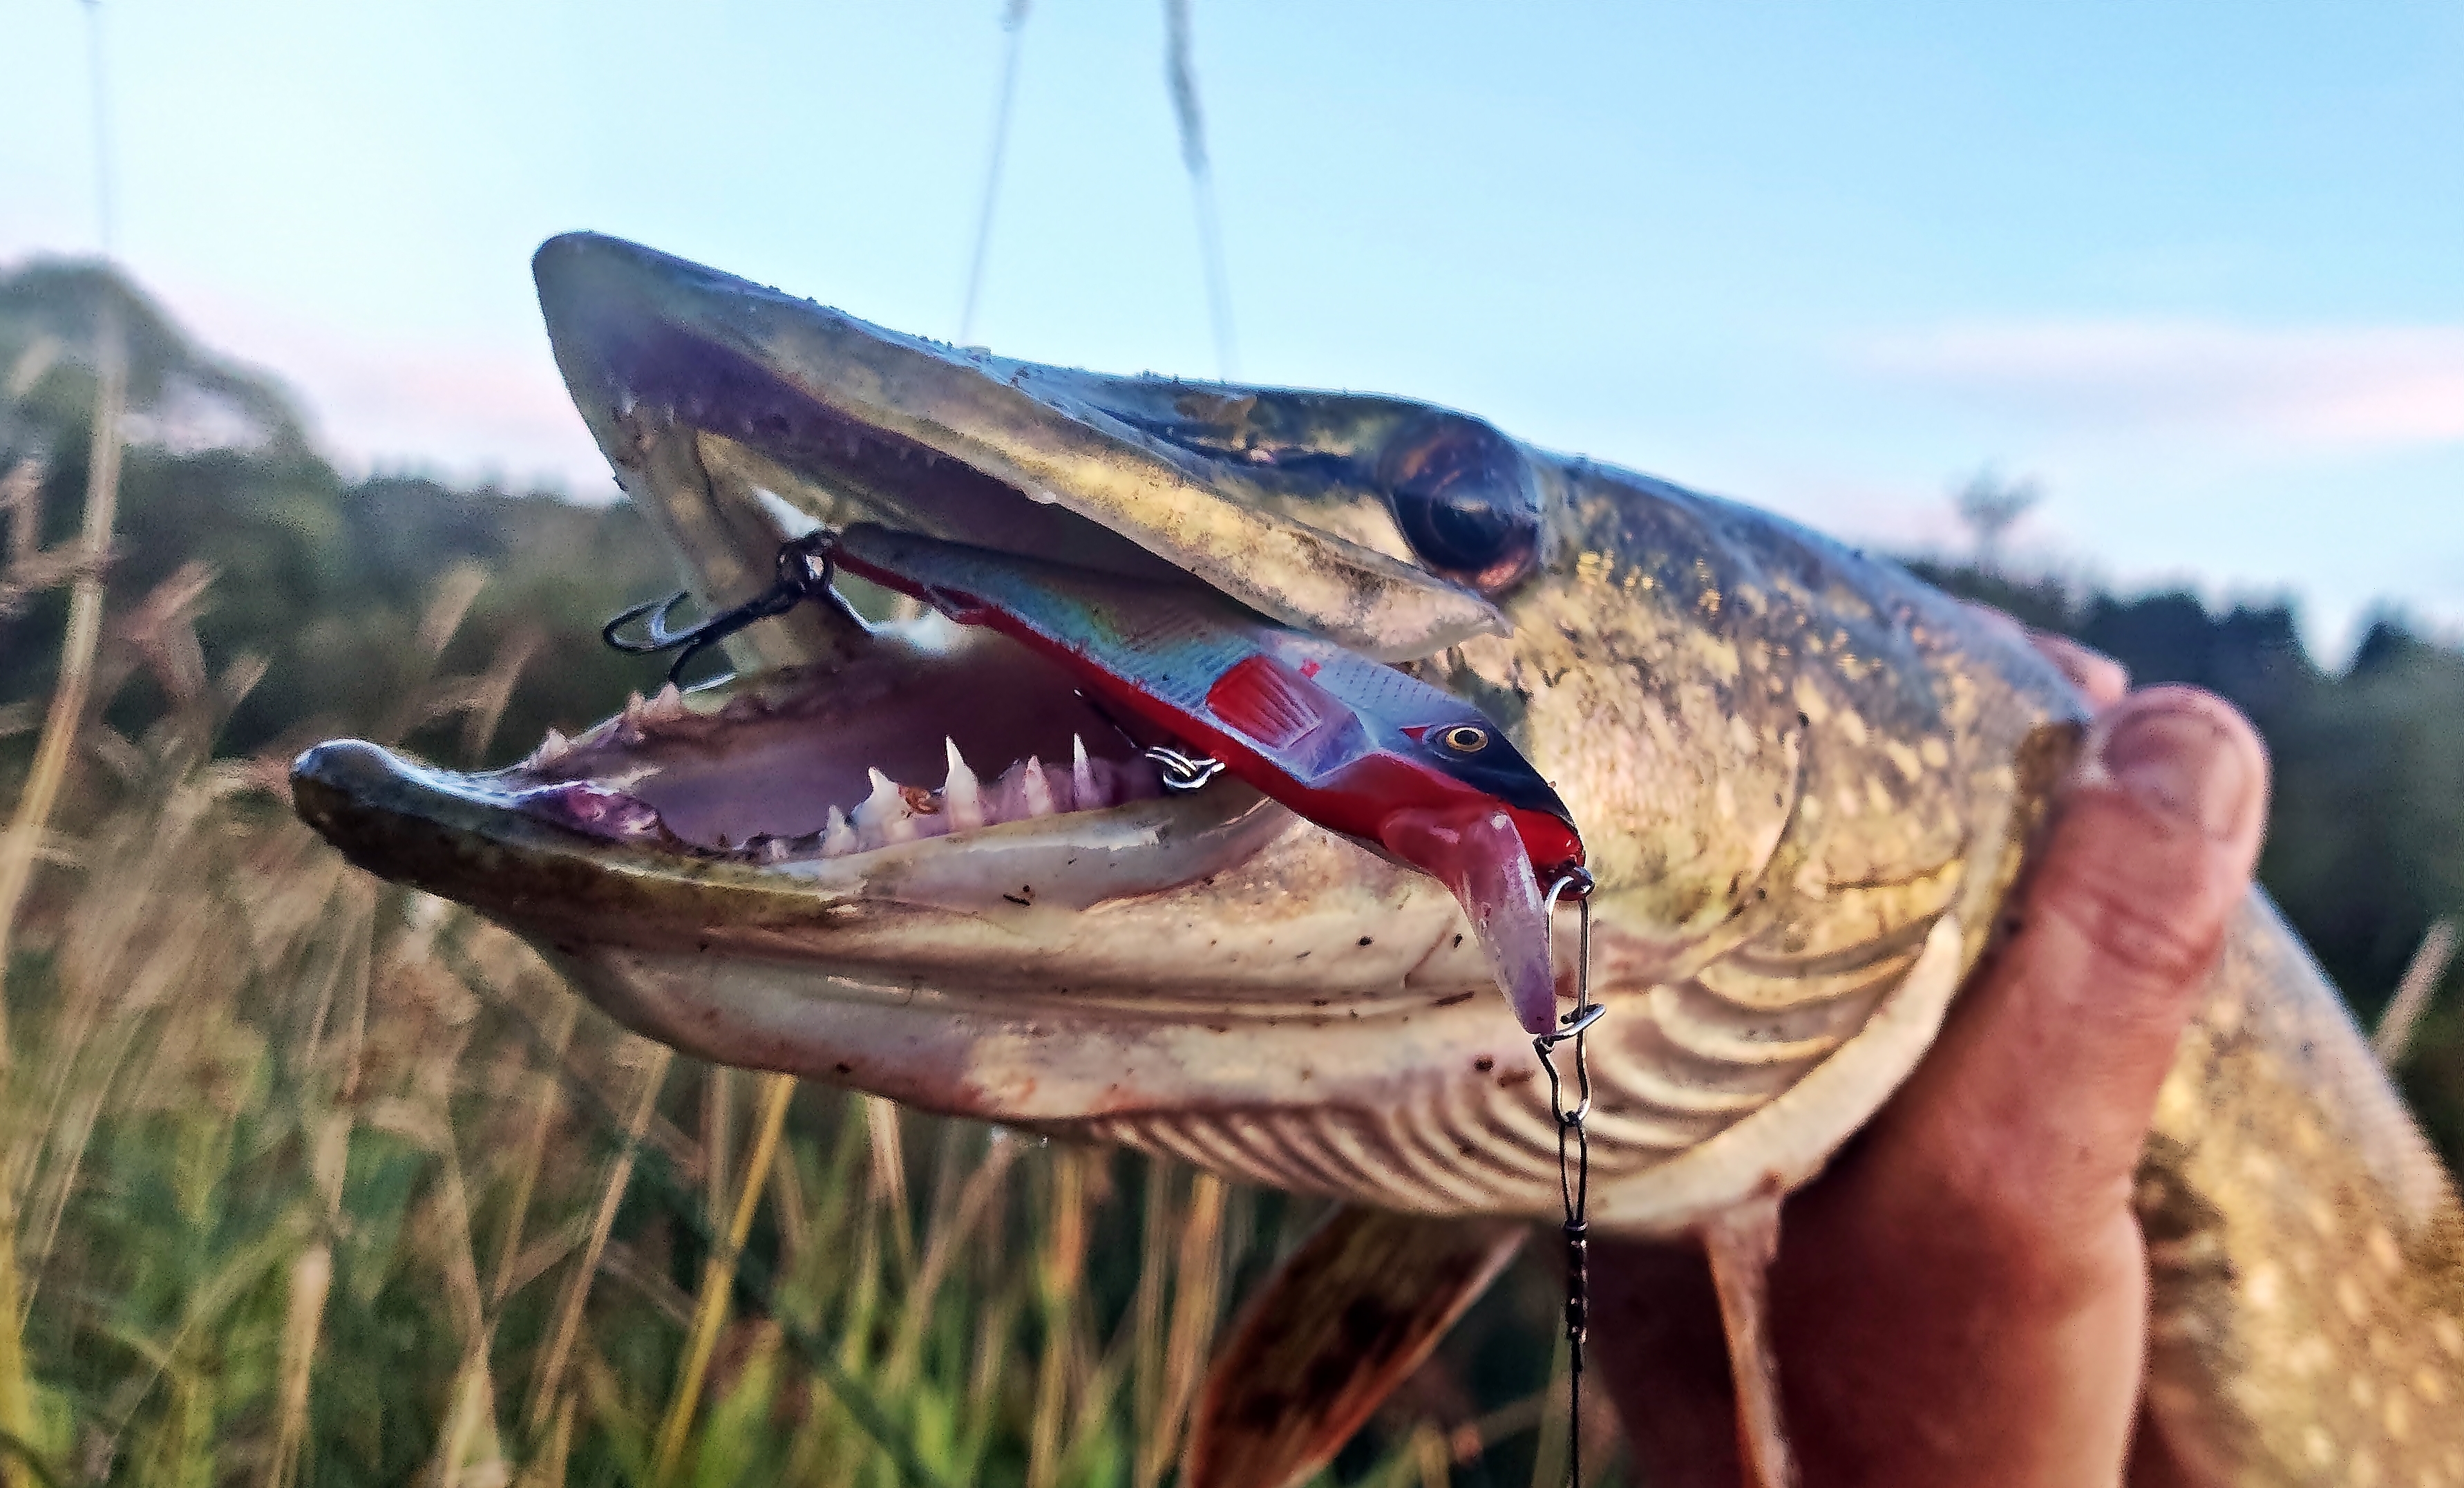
point(309, 1181)
point(305, 1180)
point(324, 580)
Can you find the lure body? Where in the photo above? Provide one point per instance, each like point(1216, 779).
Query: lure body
point(1347, 741)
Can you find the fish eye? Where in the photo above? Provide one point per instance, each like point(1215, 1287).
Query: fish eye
point(1464, 739)
point(1462, 498)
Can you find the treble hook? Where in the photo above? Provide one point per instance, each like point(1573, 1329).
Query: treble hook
point(804, 572)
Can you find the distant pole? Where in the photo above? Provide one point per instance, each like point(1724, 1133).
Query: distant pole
point(98, 76)
point(1989, 508)
point(1014, 25)
point(1181, 76)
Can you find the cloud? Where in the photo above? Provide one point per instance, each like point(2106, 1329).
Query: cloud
point(2329, 389)
point(468, 410)
point(482, 406)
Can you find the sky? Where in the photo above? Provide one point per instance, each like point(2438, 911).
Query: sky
point(2197, 269)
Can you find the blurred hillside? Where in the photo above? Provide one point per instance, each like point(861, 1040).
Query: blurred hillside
point(324, 579)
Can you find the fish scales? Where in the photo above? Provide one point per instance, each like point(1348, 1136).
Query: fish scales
point(2305, 1247)
point(1807, 785)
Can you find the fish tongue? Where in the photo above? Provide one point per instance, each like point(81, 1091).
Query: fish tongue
point(1475, 850)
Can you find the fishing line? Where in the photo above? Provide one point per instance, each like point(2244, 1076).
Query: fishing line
point(1181, 76)
point(1013, 27)
point(1573, 1152)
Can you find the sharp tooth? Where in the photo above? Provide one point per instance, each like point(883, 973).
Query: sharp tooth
point(552, 748)
point(962, 795)
point(883, 815)
point(885, 799)
point(666, 707)
point(774, 850)
point(636, 711)
point(837, 838)
point(1034, 789)
point(1084, 796)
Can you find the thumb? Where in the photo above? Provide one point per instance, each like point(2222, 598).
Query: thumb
point(2054, 1058)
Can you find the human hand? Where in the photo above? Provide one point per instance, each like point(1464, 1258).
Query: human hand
point(1960, 1299)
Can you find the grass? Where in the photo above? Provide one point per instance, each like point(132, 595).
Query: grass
point(309, 1181)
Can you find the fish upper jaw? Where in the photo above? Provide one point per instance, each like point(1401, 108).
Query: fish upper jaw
point(1123, 474)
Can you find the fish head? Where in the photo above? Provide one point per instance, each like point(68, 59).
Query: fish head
point(920, 860)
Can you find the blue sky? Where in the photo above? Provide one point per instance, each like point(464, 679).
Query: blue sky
point(2198, 269)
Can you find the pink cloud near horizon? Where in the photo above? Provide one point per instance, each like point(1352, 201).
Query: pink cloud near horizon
point(459, 410)
point(464, 409)
point(2320, 389)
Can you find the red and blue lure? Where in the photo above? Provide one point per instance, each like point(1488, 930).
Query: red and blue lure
point(1351, 743)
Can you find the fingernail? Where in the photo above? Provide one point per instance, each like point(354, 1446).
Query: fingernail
point(2176, 761)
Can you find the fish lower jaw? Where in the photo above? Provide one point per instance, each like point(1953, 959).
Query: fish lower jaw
point(845, 792)
point(906, 744)
point(890, 814)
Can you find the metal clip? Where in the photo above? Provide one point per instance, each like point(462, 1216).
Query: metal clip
point(803, 573)
point(1573, 1153)
point(1184, 772)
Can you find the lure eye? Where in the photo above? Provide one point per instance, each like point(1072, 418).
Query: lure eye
point(1462, 494)
point(1464, 739)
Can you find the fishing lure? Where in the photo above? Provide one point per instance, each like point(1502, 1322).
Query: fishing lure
point(1353, 744)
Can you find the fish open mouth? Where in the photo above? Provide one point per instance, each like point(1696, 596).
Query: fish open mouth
point(803, 769)
point(908, 762)
point(911, 764)
point(936, 767)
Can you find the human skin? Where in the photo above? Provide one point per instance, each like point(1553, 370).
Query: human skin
point(1962, 1297)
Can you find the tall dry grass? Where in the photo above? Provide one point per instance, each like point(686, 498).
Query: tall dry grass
point(308, 1181)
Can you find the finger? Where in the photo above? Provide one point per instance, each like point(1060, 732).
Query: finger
point(2036, 1101)
point(2100, 678)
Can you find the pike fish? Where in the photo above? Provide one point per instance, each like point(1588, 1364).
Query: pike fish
point(916, 860)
